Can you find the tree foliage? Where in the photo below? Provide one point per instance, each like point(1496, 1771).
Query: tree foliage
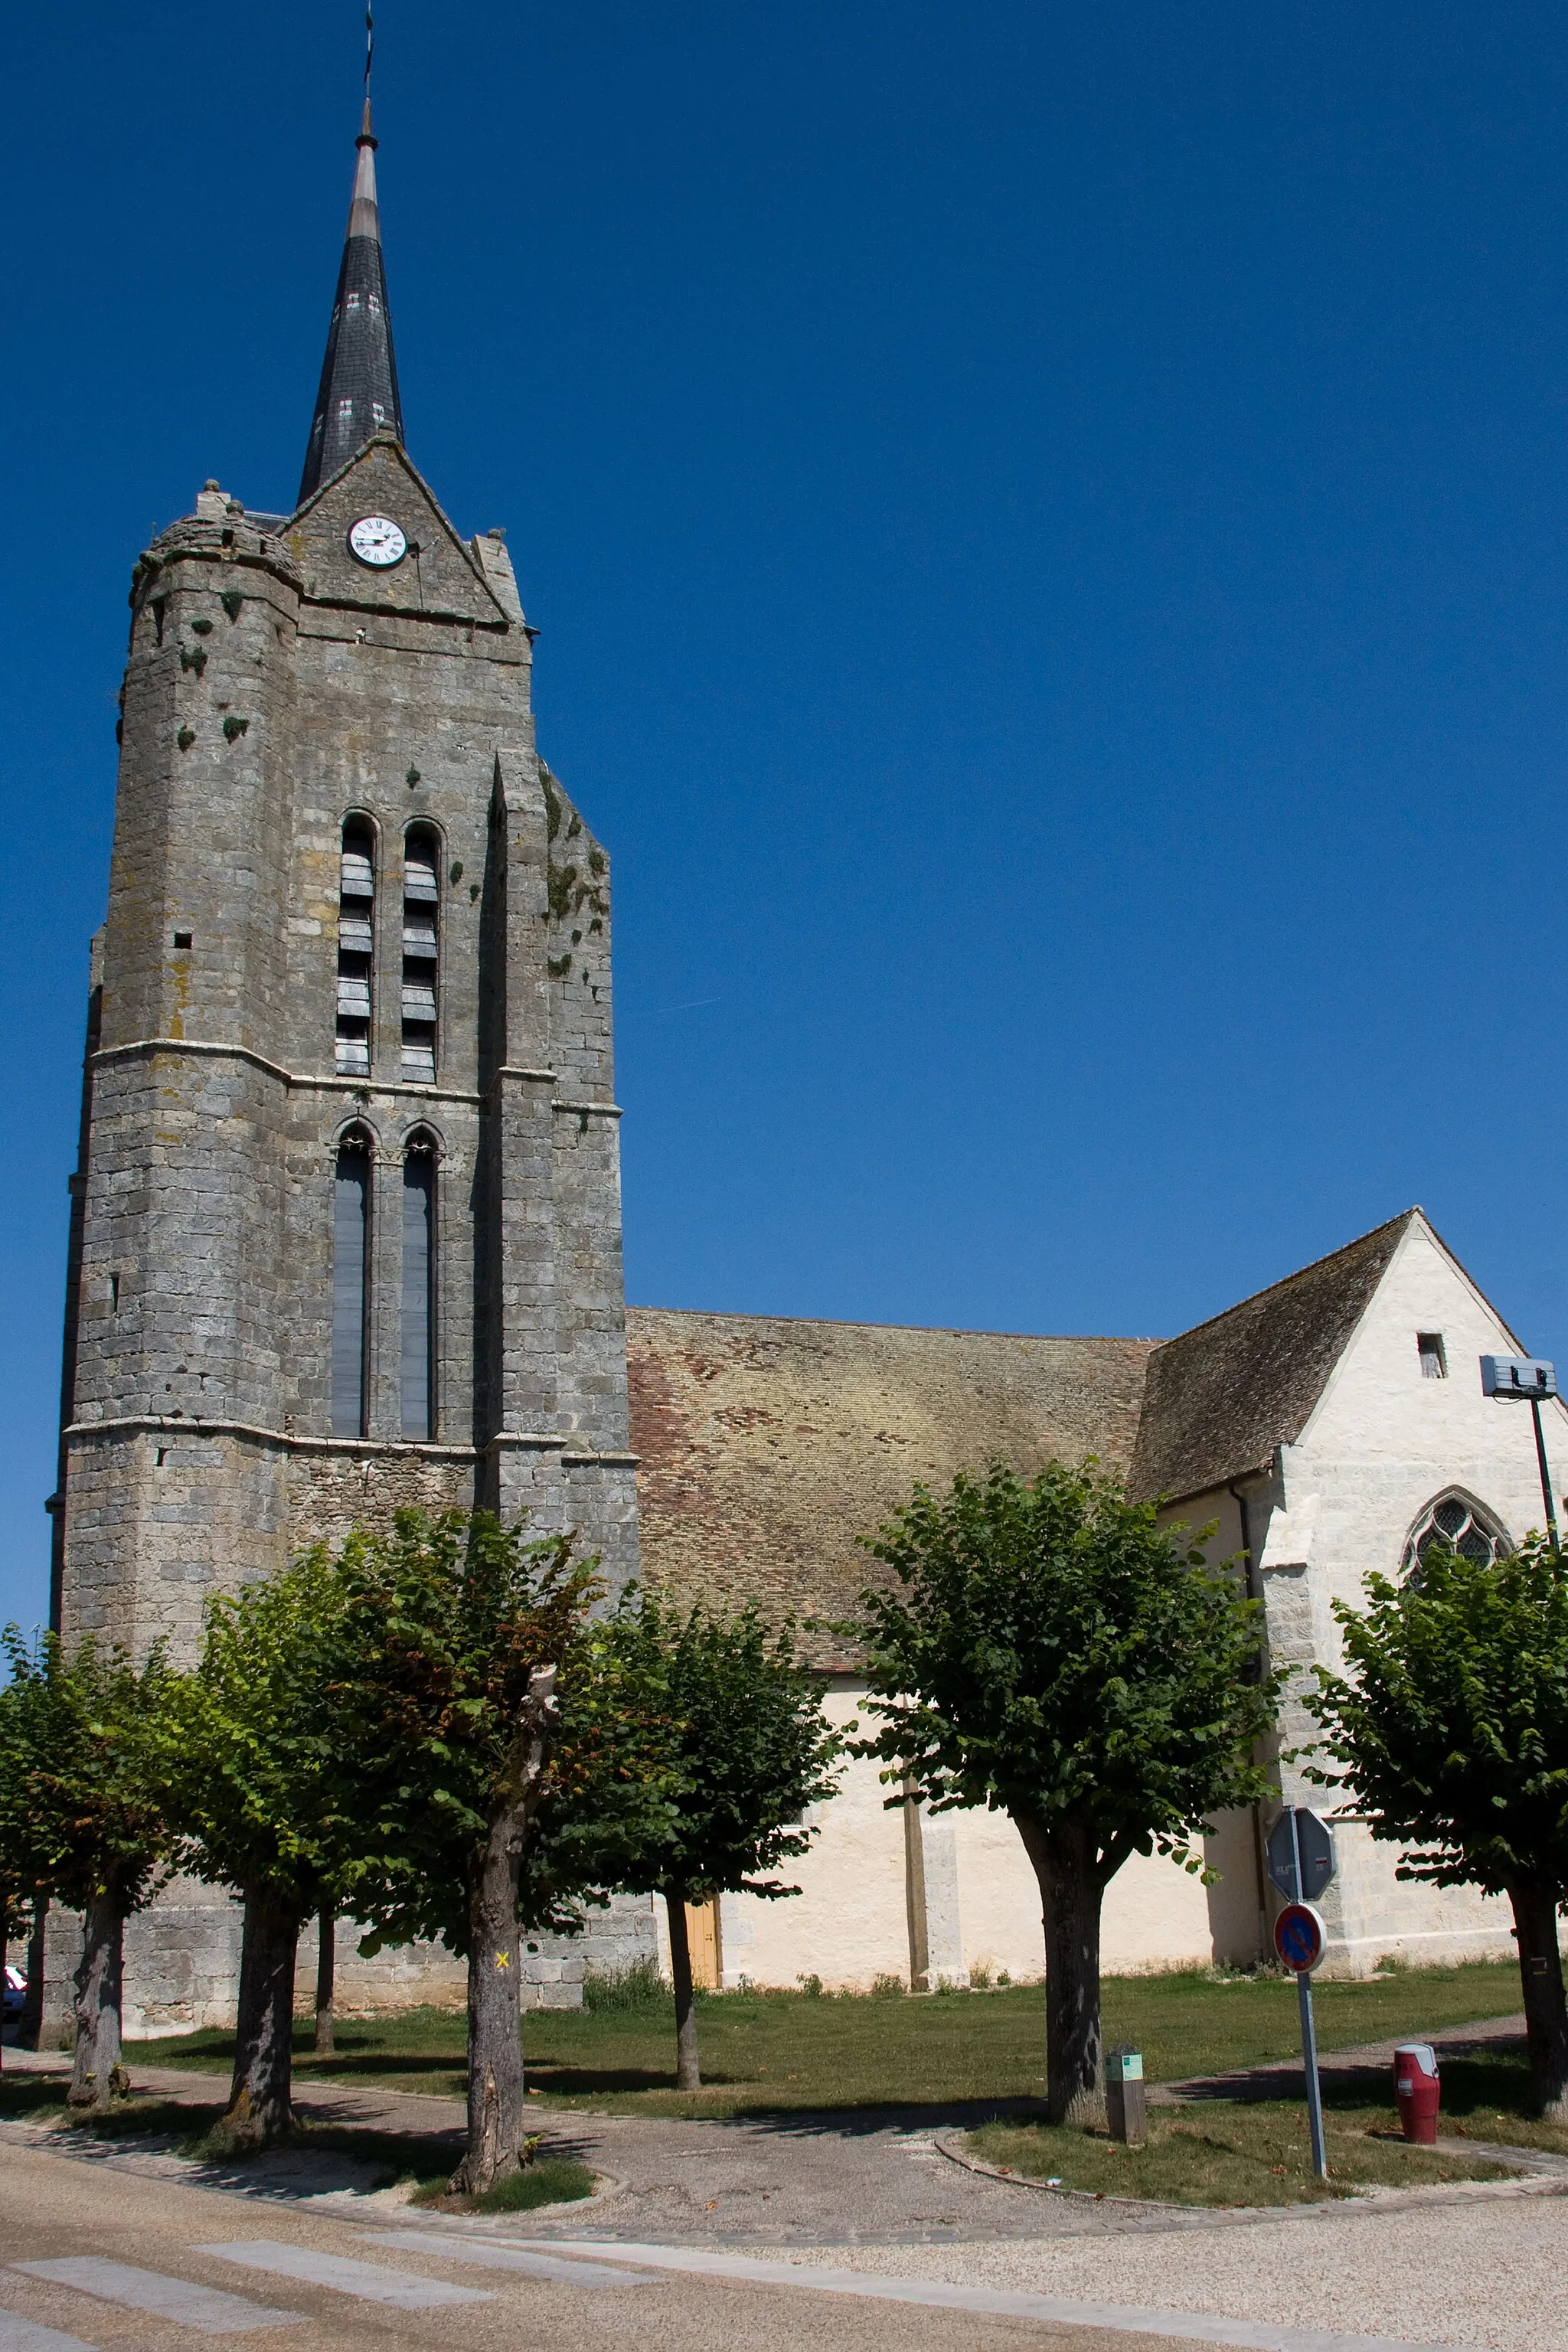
point(1451, 1732)
point(747, 1750)
point(251, 1735)
point(1051, 1651)
point(81, 1805)
point(82, 1813)
point(446, 1620)
point(497, 1762)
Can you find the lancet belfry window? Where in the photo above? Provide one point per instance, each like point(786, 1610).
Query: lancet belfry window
point(1453, 1523)
point(418, 1369)
point(350, 1288)
point(356, 912)
point(421, 909)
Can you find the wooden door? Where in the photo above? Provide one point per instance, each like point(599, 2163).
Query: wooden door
point(702, 1939)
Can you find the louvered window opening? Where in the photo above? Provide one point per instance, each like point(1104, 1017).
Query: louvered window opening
point(418, 1375)
point(421, 897)
point(350, 1248)
point(357, 939)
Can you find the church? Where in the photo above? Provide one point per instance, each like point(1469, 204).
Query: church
point(346, 1235)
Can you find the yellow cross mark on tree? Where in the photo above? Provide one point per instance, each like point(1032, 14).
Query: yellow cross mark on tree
point(503, 1960)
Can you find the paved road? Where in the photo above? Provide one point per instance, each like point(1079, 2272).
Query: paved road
point(100, 2260)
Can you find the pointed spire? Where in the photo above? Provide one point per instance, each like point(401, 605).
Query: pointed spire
point(358, 393)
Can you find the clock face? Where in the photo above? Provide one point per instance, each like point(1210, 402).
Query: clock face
point(377, 541)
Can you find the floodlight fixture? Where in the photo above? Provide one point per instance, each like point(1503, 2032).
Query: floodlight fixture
point(1518, 1376)
point(1528, 1377)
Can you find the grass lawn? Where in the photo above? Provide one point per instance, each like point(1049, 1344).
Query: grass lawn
point(1227, 2152)
point(771, 2050)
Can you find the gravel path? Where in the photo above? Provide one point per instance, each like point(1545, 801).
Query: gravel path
point(1483, 2272)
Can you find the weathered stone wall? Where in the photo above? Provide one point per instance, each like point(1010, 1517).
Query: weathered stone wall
point(275, 687)
point(181, 1965)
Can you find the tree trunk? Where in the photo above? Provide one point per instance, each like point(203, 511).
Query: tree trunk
point(97, 2075)
point(326, 1971)
point(497, 2121)
point(688, 2073)
point(1534, 1904)
point(497, 2104)
point(31, 2036)
point(260, 2109)
point(1066, 1863)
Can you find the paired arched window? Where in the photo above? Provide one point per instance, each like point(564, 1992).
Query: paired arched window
point(421, 909)
point(350, 1288)
point(418, 1318)
point(356, 914)
point(1454, 1523)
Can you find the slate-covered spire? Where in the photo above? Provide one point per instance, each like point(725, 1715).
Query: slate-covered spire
point(358, 394)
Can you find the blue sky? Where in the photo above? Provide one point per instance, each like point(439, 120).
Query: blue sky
point(1049, 528)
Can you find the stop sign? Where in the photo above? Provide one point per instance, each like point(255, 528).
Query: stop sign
point(1300, 1853)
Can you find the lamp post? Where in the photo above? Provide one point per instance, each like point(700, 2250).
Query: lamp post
point(1528, 1376)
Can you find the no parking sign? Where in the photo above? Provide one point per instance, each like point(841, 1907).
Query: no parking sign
point(1298, 1938)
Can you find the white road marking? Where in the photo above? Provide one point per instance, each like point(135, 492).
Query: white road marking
point(205, 2308)
point(19, 2335)
point(370, 2281)
point(1135, 2319)
point(489, 2257)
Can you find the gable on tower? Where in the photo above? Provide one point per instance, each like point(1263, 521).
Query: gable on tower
point(436, 574)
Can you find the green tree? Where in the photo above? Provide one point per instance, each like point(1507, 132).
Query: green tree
point(82, 1816)
point(496, 1760)
point(1051, 1652)
point(1452, 1739)
point(246, 1762)
point(749, 1749)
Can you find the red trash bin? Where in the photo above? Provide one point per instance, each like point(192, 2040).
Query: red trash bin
point(1418, 2091)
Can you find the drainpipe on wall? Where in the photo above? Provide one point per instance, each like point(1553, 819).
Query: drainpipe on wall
point(1254, 1593)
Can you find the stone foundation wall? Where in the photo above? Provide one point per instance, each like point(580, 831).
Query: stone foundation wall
point(181, 1965)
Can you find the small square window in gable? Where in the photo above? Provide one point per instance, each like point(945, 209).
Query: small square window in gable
point(1433, 1354)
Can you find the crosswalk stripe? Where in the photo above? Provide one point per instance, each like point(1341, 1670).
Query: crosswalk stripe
point(19, 2335)
point(505, 2258)
point(370, 2281)
point(205, 2308)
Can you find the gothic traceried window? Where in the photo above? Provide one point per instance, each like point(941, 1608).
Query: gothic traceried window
point(421, 907)
point(356, 912)
point(1453, 1523)
point(351, 1290)
point(419, 1351)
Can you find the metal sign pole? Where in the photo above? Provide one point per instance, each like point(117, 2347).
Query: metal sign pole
point(1308, 2032)
point(1310, 2061)
point(1545, 1477)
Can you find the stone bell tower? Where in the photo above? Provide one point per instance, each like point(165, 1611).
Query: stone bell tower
point(346, 1228)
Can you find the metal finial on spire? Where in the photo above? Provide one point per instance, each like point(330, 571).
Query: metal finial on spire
point(358, 393)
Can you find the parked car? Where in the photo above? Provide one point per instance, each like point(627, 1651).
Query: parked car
point(16, 1994)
